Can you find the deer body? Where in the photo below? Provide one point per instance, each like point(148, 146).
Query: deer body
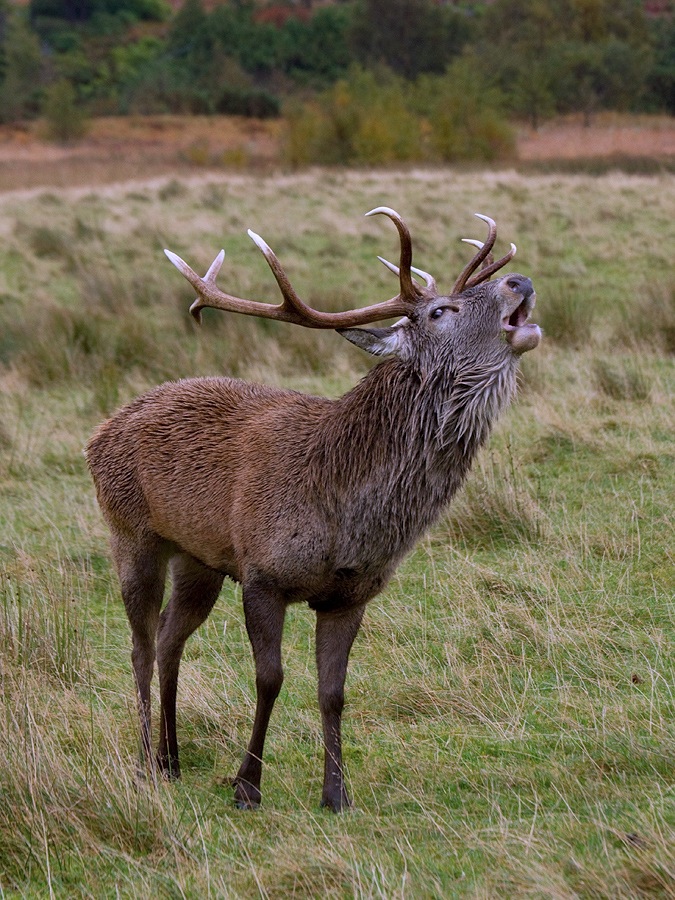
point(299, 498)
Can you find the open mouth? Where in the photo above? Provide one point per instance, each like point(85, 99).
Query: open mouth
point(521, 335)
point(519, 316)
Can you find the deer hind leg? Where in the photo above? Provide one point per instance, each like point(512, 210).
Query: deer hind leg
point(141, 566)
point(335, 633)
point(195, 589)
point(264, 610)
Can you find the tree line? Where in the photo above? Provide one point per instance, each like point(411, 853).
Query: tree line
point(534, 58)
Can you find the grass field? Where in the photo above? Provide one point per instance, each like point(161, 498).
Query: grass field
point(510, 723)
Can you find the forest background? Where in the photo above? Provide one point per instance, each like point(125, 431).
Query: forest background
point(358, 81)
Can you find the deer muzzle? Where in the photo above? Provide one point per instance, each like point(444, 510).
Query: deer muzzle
point(521, 334)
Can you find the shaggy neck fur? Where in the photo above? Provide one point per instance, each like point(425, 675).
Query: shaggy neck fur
point(399, 445)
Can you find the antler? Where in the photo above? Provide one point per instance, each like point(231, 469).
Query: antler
point(484, 256)
point(293, 309)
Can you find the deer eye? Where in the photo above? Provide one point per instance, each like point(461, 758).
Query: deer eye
point(437, 313)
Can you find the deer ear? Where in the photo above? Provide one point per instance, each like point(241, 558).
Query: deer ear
point(378, 341)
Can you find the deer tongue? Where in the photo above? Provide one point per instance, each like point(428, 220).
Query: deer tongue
point(524, 337)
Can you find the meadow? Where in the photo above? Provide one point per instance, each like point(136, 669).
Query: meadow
point(510, 718)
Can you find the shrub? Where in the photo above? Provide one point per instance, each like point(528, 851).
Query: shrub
point(363, 119)
point(378, 118)
point(64, 119)
point(251, 102)
point(464, 115)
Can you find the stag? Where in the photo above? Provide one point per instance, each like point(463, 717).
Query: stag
point(301, 498)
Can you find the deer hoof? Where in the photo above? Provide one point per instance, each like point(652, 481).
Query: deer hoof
point(168, 768)
point(246, 796)
point(336, 804)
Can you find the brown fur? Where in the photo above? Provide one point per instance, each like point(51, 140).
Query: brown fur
point(298, 498)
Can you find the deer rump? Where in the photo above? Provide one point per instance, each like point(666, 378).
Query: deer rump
point(301, 498)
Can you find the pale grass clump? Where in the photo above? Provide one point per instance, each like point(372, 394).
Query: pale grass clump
point(69, 794)
point(496, 505)
point(302, 871)
point(43, 619)
point(623, 380)
point(70, 783)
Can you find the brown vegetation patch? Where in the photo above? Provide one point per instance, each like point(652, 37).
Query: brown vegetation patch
point(121, 148)
point(610, 134)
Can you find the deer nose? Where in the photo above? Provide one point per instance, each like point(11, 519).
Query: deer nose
point(521, 285)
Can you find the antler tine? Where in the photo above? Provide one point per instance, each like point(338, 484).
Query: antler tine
point(429, 279)
point(410, 293)
point(489, 271)
point(316, 319)
point(483, 252)
point(292, 303)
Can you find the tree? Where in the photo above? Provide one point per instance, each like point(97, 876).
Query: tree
point(661, 77)
point(316, 50)
point(465, 114)
point(255, 45)
point(408, 36)
point(564, 55)
point(78, 11)
point(20, 88)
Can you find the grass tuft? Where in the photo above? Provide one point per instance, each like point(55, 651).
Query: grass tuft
point(650, 318)
point(496, 506)
point(43, 621)
point(47, 242)
point(566, 315)
point(622, 380)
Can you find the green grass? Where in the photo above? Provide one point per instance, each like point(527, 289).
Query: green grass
point(510, 724)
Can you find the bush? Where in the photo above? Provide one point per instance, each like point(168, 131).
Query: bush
point(464, 114)
point(64, 120)
point(258, 104)
point(378, 118)
point(362, 119)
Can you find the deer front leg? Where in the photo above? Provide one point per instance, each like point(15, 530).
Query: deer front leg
point(335, 633)
point(264, 611)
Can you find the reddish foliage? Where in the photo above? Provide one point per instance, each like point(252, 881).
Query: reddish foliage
point(279, 15)
point(657, 8)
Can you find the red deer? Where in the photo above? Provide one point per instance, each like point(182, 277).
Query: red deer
point(301, 498)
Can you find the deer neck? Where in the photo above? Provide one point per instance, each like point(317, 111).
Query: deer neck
point(404, 442)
